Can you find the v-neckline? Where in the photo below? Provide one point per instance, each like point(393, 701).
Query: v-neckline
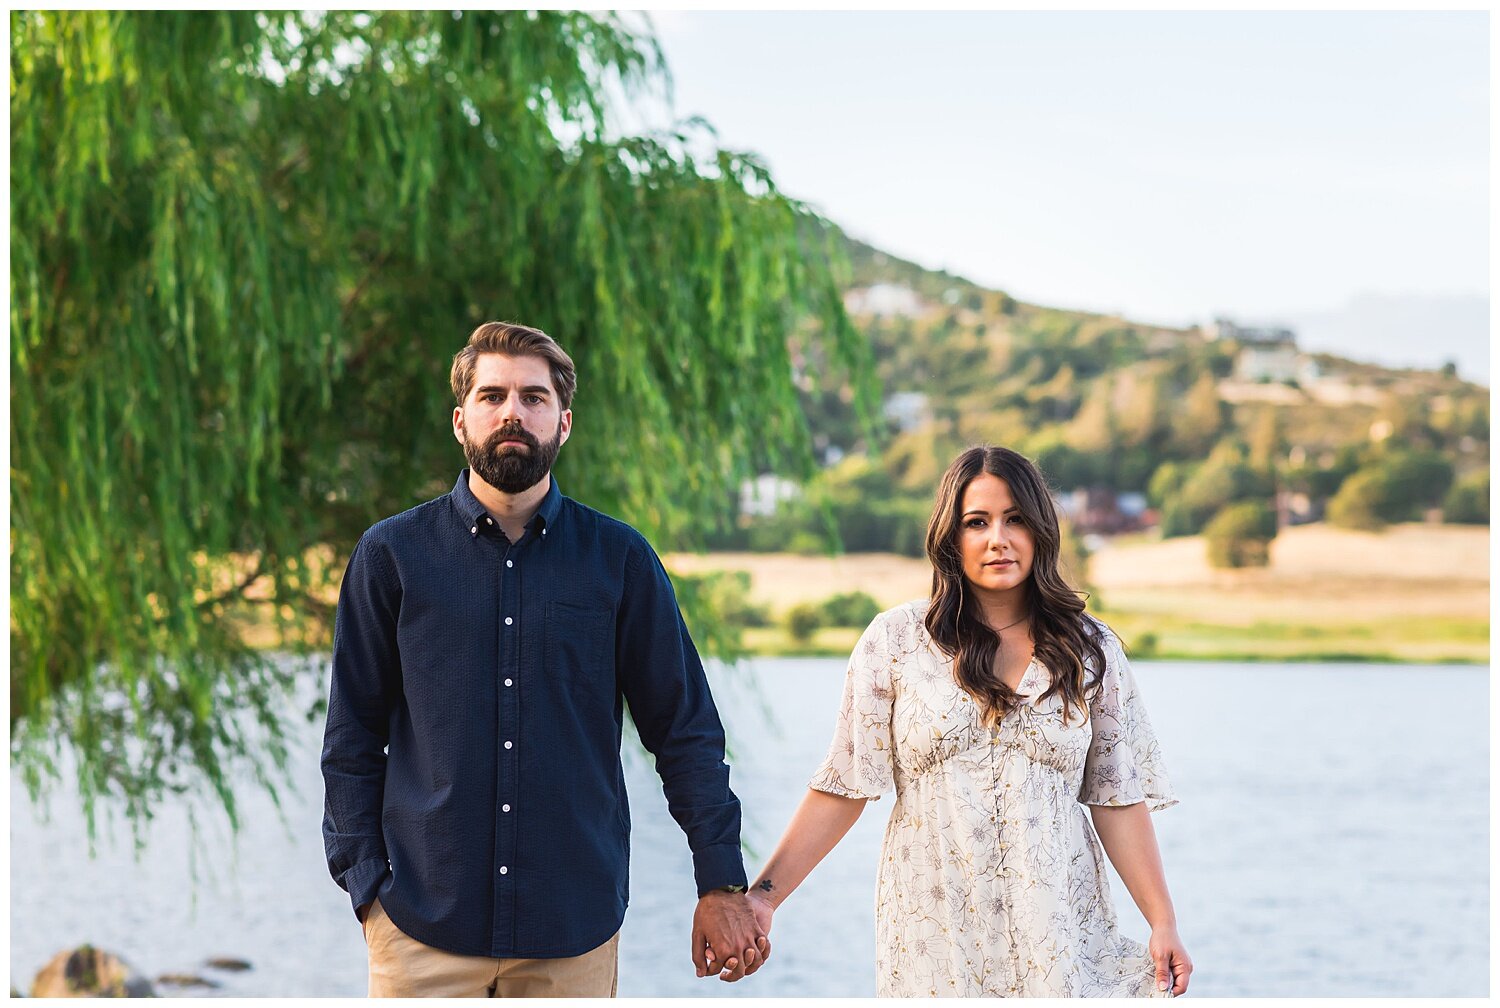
point(1025, 674)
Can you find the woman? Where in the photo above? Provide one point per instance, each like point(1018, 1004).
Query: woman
point(997, 709)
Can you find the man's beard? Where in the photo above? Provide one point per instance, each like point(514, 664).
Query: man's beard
point(512, 470)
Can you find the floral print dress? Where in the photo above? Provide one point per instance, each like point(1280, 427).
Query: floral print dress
point(991, 878)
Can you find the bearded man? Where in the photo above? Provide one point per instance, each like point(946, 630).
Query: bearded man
point(485, 646)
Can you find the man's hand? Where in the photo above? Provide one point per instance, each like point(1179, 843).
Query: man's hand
point(727, 937)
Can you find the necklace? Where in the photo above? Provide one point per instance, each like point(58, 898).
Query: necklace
point(1007, 626)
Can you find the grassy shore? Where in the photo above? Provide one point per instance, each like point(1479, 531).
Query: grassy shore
point(1414, 593)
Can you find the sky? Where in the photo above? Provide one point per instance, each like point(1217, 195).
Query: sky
point(1325, 171)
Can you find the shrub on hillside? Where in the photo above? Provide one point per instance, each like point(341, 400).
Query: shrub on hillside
point(1468, 503)
point(1414, 481)
point(803, 620)
point(1393, 488)
point(849, 609)
point(1353, 507)
point(1240, 535)
point(1166, 482)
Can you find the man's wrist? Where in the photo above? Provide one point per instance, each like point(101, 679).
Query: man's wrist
point(729, 890)
point(717, 865)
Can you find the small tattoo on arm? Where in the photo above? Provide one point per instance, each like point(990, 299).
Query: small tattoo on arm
point(765, 885)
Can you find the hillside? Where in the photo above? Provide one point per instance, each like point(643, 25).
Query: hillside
point(1137, 426)
point(1024, 368)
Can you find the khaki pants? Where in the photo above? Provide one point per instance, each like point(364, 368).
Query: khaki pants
point(401, 966)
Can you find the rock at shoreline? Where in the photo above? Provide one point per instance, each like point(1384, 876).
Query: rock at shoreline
point(89, 972)
point(227, 963)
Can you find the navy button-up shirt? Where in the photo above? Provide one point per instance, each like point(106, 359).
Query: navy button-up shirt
point(472, 754)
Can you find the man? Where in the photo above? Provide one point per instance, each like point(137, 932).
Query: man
point(485, 642)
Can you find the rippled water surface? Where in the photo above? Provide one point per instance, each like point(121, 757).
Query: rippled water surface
point(1332, 840)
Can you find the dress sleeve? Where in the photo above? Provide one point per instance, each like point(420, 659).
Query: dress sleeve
point(859, 762)
point(1124, 763)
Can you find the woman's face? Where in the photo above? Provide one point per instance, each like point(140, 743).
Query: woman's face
point(993, 539)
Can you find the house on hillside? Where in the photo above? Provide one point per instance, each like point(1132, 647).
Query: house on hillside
point(1267, 353)
point(885, 299)
point(761, 496)
point(1294, 508)
point(907, 410)
point(1100, 510)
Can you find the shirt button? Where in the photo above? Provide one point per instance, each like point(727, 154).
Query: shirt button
point(504, 808)
point(544, 531)
point(507, 744)
point(489, 521)
point(510, 563)
point(507, 682)
point(508, 621)
point(474, 530)
point(504, 870)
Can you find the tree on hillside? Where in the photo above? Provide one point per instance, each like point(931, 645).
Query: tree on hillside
point(1468, 502)
point(1240, 535)
point(1393, 487)
point(1225, 478)
point(1142, 406)
point(244, 248)
point(1199, 418)
point(1095, 430)
point(1266, 441)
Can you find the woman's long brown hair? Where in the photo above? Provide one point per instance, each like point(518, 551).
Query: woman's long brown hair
point(1066, 641)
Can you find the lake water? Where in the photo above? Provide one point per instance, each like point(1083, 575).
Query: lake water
point(1333, 840)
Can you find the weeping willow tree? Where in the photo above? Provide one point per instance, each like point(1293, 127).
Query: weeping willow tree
point(244, 248)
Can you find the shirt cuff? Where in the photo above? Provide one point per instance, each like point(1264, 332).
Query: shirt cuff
point(717, 866)
point(363, 881)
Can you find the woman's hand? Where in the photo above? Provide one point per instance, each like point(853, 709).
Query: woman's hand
point(763, 910)
point(1172, 963)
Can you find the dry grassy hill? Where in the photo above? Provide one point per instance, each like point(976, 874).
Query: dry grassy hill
point(1415, 593)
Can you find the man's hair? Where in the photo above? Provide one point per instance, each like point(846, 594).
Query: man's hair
point(513, 340)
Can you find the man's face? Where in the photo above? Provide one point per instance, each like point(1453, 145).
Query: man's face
point(511, 425)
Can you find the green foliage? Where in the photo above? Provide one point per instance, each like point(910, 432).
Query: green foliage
point(1166, 483)
point(871, 515)
point(849, 609)
point(244, 248)
point(1415, 480)
point(717, 607)
point(1355, 506)
point(1240, 535)
point(1208, 488)
point(1322, 482)
point(853, 507)
point(1393, 487)
point(1066, 467)
point(803, 620)
point(1468, 502)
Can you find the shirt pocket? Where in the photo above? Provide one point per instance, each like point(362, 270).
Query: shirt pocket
point(580, 644)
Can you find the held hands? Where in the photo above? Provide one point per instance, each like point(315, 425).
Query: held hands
point(728, 936)
point(763, 910)
point(1172, 963)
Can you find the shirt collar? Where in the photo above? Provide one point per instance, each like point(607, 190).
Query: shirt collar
point(474, 514)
